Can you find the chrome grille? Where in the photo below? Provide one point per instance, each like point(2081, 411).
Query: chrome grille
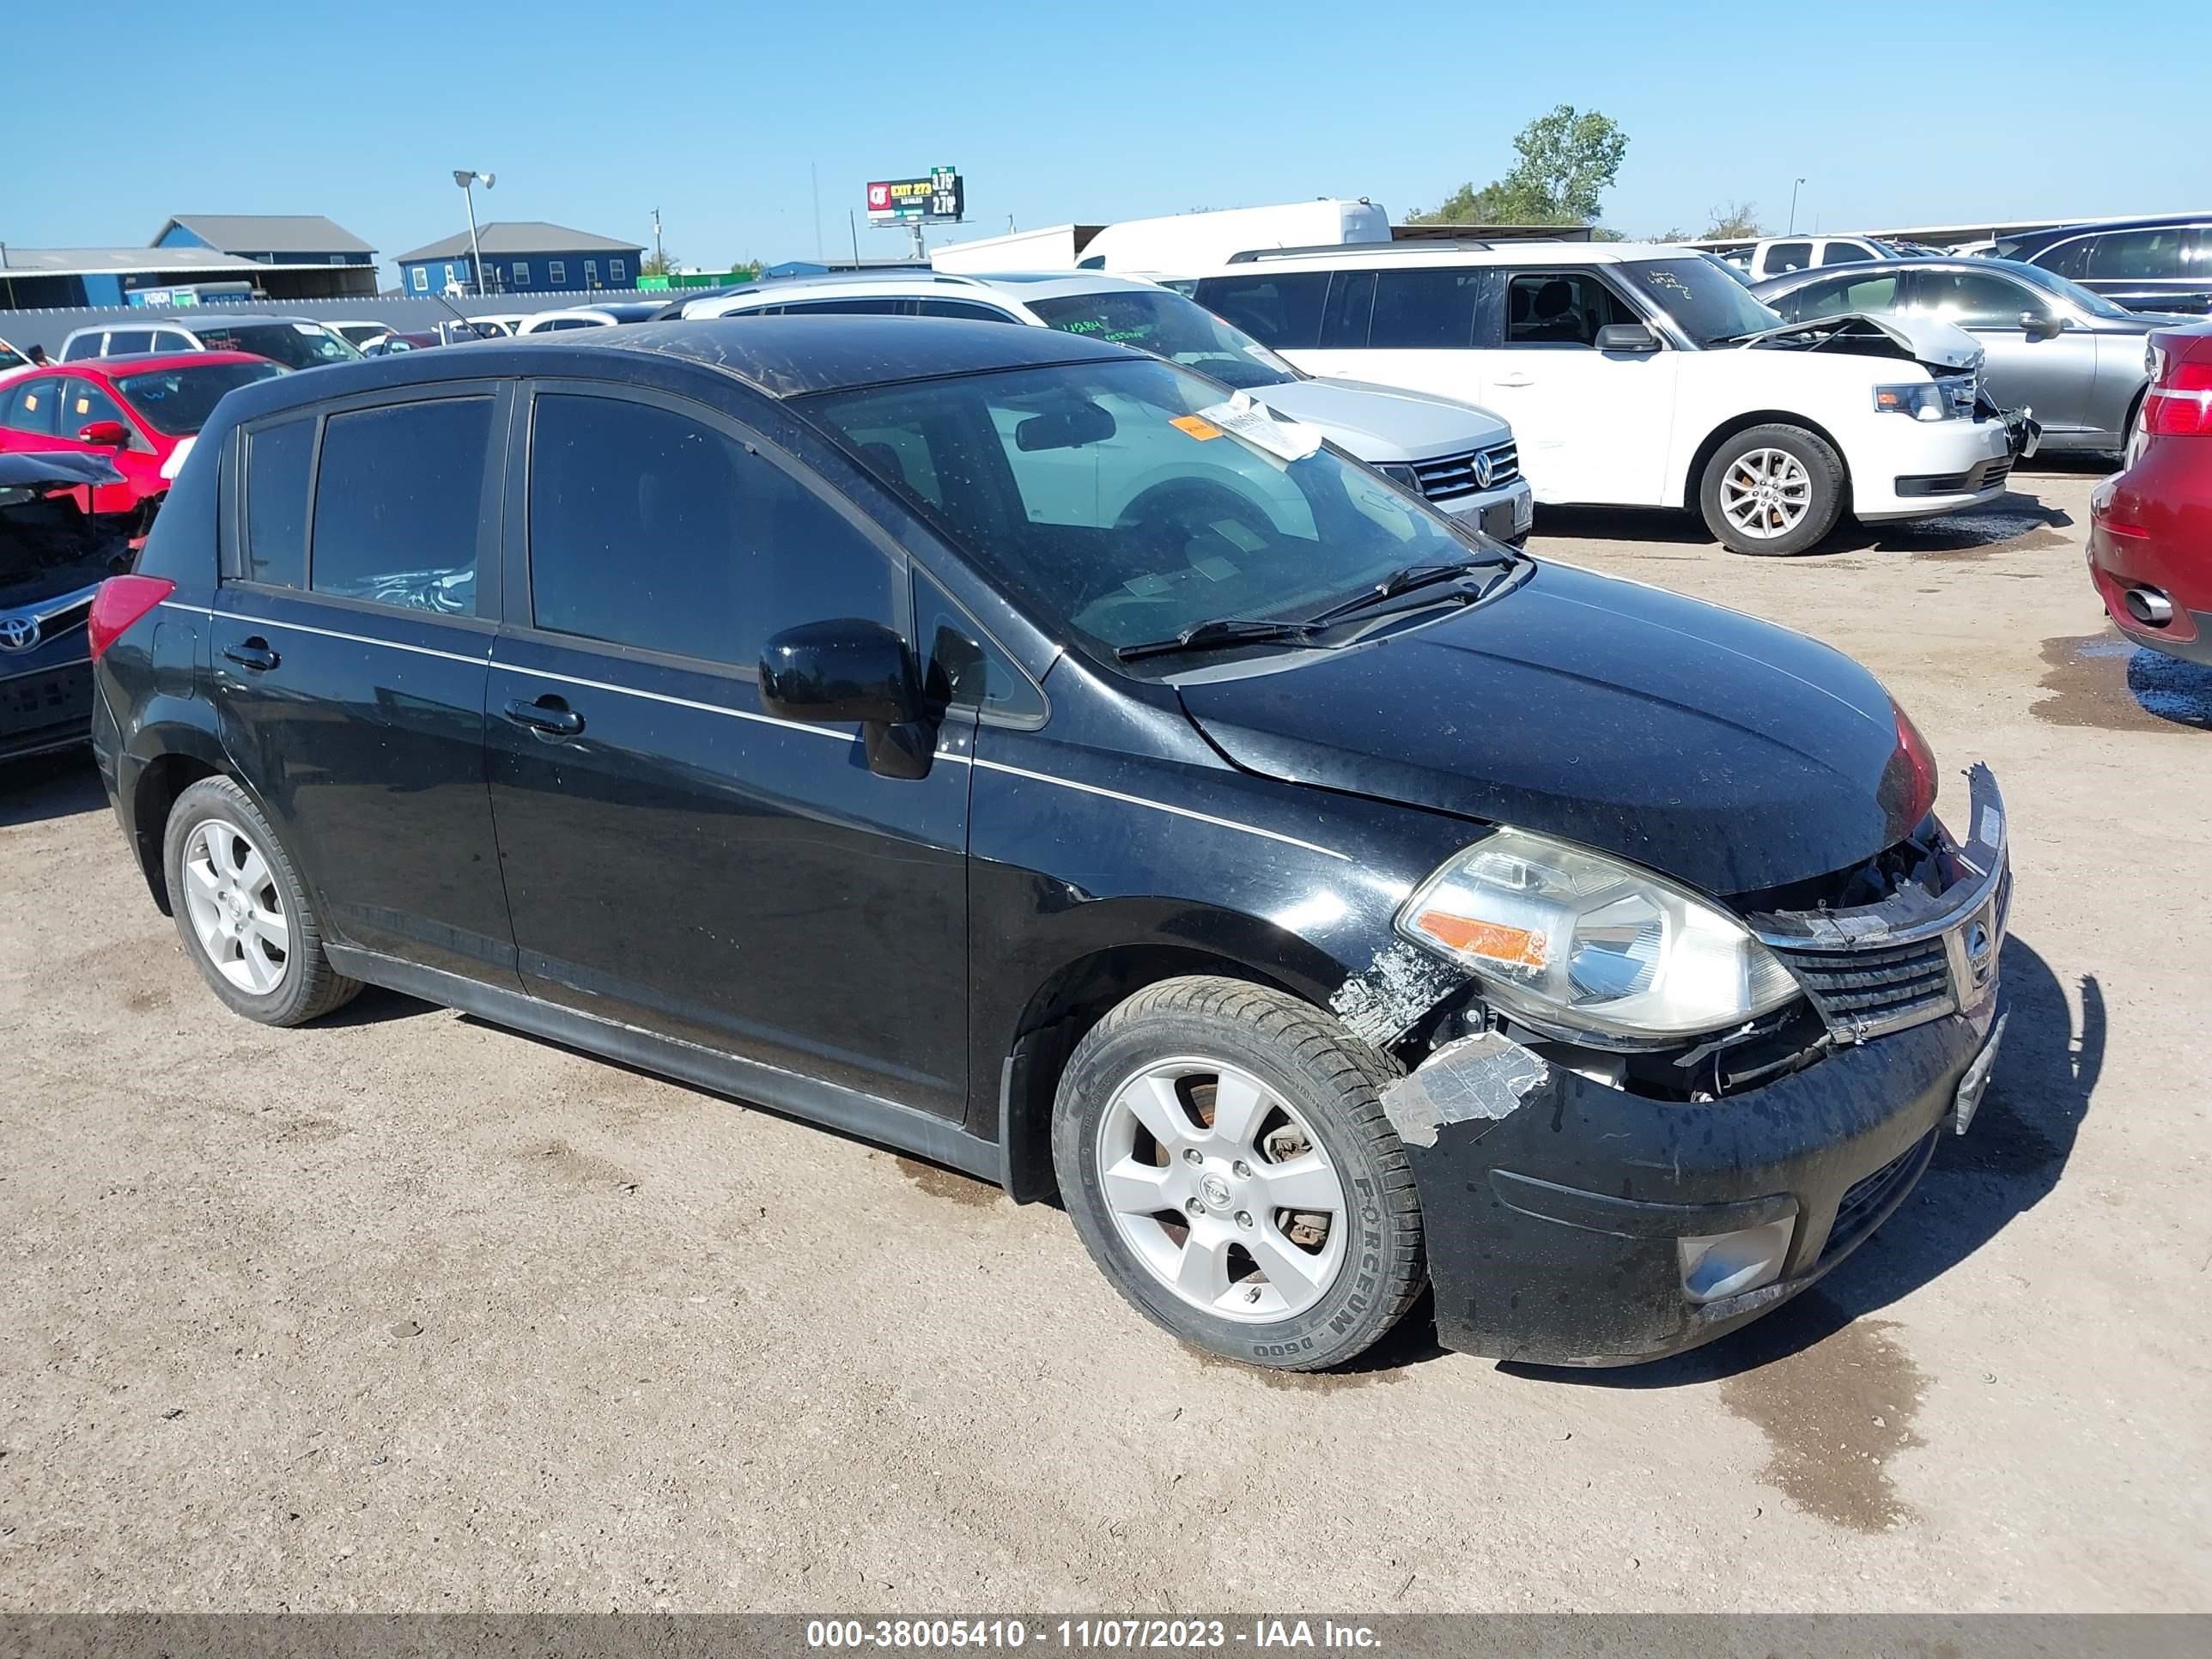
point(1870, 992)
point(1450, 476)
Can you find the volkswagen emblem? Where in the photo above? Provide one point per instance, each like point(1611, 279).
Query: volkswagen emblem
point(18, 633)
point(1484, 471)
point(1981, 951)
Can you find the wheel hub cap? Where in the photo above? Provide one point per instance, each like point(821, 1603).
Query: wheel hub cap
point(236, 912)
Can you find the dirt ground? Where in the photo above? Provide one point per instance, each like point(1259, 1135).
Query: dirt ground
point(404, 1311)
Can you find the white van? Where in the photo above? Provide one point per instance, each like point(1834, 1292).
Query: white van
point(1176, 244)
point(1649, 376)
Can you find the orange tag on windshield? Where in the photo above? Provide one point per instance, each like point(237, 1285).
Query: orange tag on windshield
point(1197, 426)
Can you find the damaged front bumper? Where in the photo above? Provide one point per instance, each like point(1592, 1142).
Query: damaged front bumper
point(1571, 1222)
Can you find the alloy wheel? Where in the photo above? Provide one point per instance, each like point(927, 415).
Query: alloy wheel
point(1766, 493)
point(236, 909)
point(1222, 1190)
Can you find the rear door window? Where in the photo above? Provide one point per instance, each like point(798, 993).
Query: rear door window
point(653, 529)
point(1425, 310)
point(33, 406)
point(1278, 308)
point(399, 504)
point(278, 460)
point(1350, 303)
point(2141, 255)
point(1834, 252)
point(80, 346)
point(129, 339)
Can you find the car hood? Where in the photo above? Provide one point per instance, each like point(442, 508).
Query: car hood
point(1377, 423)
point(1723, 752)
point(1943, 347)
point(53, 469)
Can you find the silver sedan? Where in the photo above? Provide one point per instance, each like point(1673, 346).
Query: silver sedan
point(2073, 357)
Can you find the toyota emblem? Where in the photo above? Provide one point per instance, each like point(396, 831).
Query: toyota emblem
point(1483, 470)
point(18, 633)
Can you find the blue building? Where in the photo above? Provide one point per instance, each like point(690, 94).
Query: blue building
point(272, 238)
point(526, 256)
point(285, 256)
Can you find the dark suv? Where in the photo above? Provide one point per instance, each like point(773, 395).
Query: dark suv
point(1018, 750)
point(2145, 264)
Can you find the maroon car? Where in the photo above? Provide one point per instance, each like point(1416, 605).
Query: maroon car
point(2150, 526)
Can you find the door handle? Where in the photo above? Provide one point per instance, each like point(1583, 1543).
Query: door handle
point(548, 715)
point(1514, 380)
point(253, 653)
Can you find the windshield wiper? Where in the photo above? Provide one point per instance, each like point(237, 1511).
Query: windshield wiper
point(1218, 632)
point(1405, 579)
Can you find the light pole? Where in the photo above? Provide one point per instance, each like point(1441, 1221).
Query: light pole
point(466, 180)
point(1792, 231)
point(660, 259)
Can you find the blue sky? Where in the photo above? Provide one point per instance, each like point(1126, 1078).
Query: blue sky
point(591, 114)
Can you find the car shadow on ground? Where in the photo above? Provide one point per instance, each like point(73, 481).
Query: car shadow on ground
point(2015, 519)
point(2004, 1165)
point(58, 786)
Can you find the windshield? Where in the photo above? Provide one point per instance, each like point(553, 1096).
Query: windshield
point(295, 345)
point(176, 402)
point(2073, 294)
point(1709, 305)
point(1168, 325)
point(1110, 497)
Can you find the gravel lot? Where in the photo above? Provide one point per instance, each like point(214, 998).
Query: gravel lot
point(404, 1311)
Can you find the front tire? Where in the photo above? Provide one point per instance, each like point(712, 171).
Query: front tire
point(1772, 490)
point(1224, 1153)
point(243, 911)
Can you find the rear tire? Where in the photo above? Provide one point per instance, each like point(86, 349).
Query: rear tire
point(243, 912)
point(1224, 1153)
point(1772, 490)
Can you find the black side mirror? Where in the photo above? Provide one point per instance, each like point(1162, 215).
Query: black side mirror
point(1626, 337)
point(1066, 428)
point(2041, 325)
point(832, 672)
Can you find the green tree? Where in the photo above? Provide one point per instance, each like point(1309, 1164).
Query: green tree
point(1567, 161)
point(659, 265)
point(1734, 219)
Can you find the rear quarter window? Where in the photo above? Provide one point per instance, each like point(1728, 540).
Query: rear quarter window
point(277, 462)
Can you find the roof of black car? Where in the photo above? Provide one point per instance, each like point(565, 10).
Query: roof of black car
point(789, 356)
point(784, 356)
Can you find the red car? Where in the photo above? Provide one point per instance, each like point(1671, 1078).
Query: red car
point(2150, 526)
point(141, 412)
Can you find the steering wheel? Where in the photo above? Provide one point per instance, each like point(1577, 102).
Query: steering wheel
point(1185, 509)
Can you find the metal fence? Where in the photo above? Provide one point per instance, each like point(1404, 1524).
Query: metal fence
point(49, 328)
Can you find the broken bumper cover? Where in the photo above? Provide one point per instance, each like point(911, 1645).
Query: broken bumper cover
point(1553, 1204)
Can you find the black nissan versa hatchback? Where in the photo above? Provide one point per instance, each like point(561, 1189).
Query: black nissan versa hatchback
point(1014, 750)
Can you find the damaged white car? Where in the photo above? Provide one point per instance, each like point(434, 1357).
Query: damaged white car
point(1647, 376)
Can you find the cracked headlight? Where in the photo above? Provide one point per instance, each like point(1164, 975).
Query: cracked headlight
point(1580, 945)
point(1923, 400)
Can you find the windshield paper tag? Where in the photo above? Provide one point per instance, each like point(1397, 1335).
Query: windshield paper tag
point(1263, 429)
point(1197, 426)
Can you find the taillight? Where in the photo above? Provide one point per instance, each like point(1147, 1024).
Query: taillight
point(121, 601)
point(2179, 402)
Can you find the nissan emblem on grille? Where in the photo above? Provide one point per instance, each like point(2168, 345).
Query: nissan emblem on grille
point(18, 633)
